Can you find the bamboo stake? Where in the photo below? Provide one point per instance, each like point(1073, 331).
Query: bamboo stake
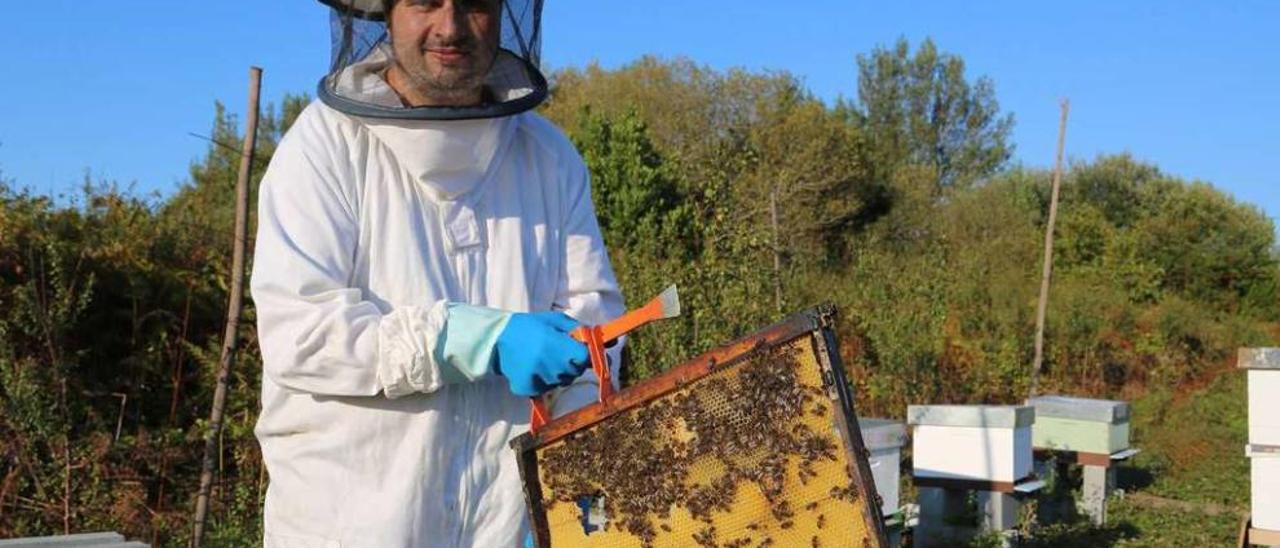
point(1042, 307)
point(230, 337)
point(124, 399)
point(777, 251)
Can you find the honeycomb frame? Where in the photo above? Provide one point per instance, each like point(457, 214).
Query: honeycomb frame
point(806, 339)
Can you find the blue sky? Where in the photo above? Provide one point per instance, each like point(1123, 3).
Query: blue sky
point(114, 88)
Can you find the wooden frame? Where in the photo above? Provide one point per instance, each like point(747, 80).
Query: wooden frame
point(1252, 536)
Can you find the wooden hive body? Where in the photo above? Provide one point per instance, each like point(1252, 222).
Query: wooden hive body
point(752, 443)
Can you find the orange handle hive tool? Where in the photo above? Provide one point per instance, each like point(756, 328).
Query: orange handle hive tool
point(665, 305)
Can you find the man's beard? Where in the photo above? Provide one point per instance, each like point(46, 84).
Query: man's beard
point(452, 86)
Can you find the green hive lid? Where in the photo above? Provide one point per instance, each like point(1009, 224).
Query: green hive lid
point(882, 433)
point(1085, 409)
point(988, 416)
point(1259, 358)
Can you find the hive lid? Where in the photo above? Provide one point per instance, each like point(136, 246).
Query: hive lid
point(989, 416)
point(882, 433)
point(1085, 409)
point(1259, 358)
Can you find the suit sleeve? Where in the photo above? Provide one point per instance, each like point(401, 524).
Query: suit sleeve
point(318, 334)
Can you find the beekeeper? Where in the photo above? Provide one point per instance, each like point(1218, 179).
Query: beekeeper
point(425, 244)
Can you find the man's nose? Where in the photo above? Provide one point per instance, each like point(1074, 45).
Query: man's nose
point(451, 24)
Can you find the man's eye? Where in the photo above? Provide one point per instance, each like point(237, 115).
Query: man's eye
point(461, 5)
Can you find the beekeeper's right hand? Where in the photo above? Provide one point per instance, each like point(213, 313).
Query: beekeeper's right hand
point(532, 351)
point(536, 353)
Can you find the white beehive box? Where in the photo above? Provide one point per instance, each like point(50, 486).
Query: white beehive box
point(971, 442)
point(1080, 424)
point(1264, 434)
point(884, 439)
point(1265, 479)
point(1264, 393)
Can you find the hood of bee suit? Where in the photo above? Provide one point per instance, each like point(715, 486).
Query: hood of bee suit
point(450, 157)
point(359, 40)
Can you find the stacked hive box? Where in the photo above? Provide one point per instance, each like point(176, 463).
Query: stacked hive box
point(884, 438)
point(986, 443)
point(1082, 425)
point(1264, 433)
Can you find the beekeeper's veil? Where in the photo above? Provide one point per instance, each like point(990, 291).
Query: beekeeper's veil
point(362, 51)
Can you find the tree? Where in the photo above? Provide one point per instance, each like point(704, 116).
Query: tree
point(920, 109)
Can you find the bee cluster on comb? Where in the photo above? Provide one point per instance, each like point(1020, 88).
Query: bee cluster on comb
point(745, 425)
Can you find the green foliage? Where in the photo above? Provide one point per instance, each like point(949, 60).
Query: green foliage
point(939, 289)
point(111, 314)
point(644, 216)
point(1209, 247)
point(685, 162)
point(637, 199)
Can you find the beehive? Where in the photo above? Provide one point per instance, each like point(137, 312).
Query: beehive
point(1263, 366)
point(884, 438)
point(1080, 424)
point(752, 444)
point(989, 443)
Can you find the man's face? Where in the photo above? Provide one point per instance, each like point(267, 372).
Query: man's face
point(443, 49)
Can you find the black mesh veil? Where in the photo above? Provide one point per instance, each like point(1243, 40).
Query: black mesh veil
point(361, 49)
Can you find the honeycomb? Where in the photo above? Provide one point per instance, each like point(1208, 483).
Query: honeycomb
point(749, 455)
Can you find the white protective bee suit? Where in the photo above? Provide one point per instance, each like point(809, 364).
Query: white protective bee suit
point(367, 228)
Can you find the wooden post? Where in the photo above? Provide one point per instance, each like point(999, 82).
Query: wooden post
point(230, 337)
point(66, 458)
point(1043, 306)
point(777, 251)
point(124, 399)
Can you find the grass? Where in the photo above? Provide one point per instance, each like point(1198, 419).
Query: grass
point(1193, 452)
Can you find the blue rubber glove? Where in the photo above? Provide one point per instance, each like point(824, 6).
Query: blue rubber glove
point(535, 353)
